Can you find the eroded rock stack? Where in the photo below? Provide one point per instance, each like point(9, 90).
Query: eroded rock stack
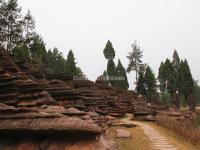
point(64, 94)
point(142, 110)
point(90, 94)
point(118, 101)
point(32, 115)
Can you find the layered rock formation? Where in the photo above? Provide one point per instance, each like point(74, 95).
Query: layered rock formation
point(33, 112)
point(146, 111)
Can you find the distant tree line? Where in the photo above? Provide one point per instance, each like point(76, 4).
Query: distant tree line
point(176, 80)
point(18, 36)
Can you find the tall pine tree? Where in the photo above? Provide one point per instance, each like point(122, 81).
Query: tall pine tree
point(71, 64)
point(122, 80)
point(150, 83)
point(111, 71)
point(10, 23)
point(140, 88)
point(134, 58)
point(109, 51)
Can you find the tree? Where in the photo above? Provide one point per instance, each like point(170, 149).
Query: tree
point(38, 49)
point(122, 80)
point(162, 78)
point(111, 71)
point(29, 25)
point(109, 51)
point(150, 83)
point(71, 64)
point(176, 65)
point(176, 60)
point(135, 61)
point(21, 52)
point(140, 88)
point(186, 82)
point(10, 23)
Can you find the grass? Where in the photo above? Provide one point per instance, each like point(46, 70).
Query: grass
point(179, 142)
point(186, 129)
point(138, 141)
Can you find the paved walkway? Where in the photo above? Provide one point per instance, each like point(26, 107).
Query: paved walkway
point(158, 142)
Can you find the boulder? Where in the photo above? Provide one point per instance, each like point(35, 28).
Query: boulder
point(120, 133)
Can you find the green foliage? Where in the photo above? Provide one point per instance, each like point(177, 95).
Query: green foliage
point(176, 60)
point(71, 64)
point(150, 83)
point(197, 93)
point(10, 23)
point(29, 25)
point(140, 88)
point(111, 71)
point(109, 51)
point(135, 61)
point(122, 80)
point(176, 76)
point(21, 53)
point(185, 80)
point(38, 49)
point(166, 77)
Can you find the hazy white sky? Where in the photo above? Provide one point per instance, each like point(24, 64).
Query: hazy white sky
point(159, 26)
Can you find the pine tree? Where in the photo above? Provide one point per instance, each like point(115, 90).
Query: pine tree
point(38, 49)
point(109, 51)
point(71, 64)
point(176, 65)
point(150, 83)
point(29, 25)
point(111, 71)
point(140, 88)
point(176, 60)
point(122, 80)
point(10, 23)
point(135, 61)
point(21, 52)
point(186, 82)
point(162, 78)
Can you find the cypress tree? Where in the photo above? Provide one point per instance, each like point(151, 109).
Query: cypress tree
point(71, 64)
point(122, 80)
point(109, 51)
point(140, 88)
point(186, 82)
point(150, 83)
point(176, 60)
point(111, 68)
point(162, 78)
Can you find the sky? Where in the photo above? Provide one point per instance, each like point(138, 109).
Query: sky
point(158, 26)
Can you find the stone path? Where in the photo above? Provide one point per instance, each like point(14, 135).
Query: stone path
point(158, 141)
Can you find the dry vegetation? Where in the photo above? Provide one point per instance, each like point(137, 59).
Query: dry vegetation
point(190, 130)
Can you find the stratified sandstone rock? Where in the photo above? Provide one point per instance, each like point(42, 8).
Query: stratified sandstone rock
point(14, 120)
point(101, 142)
point(64, 94)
